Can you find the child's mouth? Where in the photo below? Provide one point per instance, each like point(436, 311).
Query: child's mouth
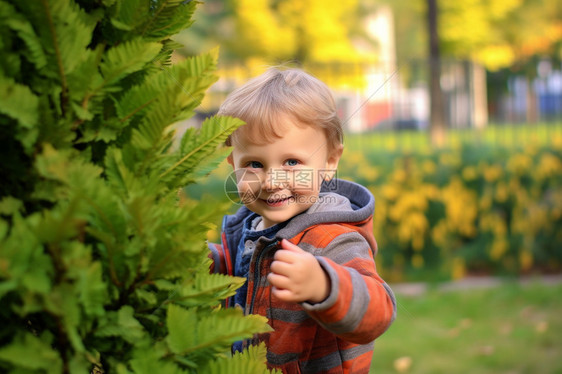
point(278, 202)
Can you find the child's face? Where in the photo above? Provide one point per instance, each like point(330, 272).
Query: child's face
point(281, 179)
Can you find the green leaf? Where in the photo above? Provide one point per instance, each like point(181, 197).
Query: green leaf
point(86, 76)
point(170, 261)
point(18, 102)
point(251, 361)
point(92, 290)
point(149, 361)
point(130, 14)
point(207, 289)
point(118, 175)
point(66, 167)
point(69, 33)
point(212, 134)
point(44, 357)
point(182, 325)
point(170, 20)
point(207, 165)
point(127, 58)
point(150, 132)
point(189, 332)
point(63, 302)
point(24, 30)
point(122, 324)
point(10, 205)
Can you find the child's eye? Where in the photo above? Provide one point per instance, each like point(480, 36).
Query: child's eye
point(292, 162)
point(255, 164)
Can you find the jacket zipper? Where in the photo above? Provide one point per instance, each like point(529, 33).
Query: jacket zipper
point(257, 275)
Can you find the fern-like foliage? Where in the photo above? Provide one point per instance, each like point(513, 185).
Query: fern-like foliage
point(101, 265)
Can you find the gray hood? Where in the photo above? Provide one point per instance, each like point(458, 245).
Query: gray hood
point(340, 201)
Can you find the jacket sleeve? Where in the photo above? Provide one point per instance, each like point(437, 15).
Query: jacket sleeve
point(220, 257)
point(361, 306)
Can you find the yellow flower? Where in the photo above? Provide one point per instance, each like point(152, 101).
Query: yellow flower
point(412, 228)
point(531, 149)
point(519, 164)
point(439, 234)
point(429, 167)
point(557, 142)
point(399, 176)
point(390, 192)
point(469, 173)
point(485, 202)
point(499, 248)
point(461, 208)
point(430, 191)
point(494, 223)
point(502, 192)
point(370, 173)
point(549, 166)
point(525, 259)
point(407, 202)
point(492, 173)
point(458, 270)
point(537, 219)
point(417, 261)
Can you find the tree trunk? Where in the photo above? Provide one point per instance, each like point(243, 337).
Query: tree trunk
point(532, 114)
point(437, 125)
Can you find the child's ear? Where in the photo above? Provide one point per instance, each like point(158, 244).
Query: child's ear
point(334, 158)
point(230, 160)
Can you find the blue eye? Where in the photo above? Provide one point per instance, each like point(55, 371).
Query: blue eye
point(255, 164)
point(292, 162)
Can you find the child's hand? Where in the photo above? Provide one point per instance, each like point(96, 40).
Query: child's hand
point(296, 276)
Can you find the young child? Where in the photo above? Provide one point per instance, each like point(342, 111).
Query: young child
point(303, 238)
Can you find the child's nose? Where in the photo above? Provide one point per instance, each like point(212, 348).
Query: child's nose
point(276, 179)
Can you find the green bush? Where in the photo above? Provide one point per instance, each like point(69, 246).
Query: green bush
point(102, 266)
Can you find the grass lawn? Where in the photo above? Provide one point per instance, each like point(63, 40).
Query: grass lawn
point(507, 329)
point(497, 135)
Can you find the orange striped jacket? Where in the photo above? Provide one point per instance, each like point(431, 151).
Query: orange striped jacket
point(336, 335)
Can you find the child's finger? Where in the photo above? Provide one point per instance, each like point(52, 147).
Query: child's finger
point(287, 245)
point(278, 281)
point(283, 294)
point(287, 256)
point(280, 267)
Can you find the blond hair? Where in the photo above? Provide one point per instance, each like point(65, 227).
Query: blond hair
point(276, 93)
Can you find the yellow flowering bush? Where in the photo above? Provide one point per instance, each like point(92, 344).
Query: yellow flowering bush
point(464, 210)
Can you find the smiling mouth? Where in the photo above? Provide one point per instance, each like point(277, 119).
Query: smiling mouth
point(278, 202)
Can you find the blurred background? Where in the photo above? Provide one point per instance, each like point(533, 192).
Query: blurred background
point(453, 119)
point(468, 186)
point(498, 60)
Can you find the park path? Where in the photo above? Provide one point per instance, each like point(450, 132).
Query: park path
point(469, 283)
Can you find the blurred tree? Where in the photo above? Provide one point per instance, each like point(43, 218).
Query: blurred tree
point(496, 33)
point(213, 26)
point(437, 123)
point(283, 30)
point(410, 29)
point(501, 33)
